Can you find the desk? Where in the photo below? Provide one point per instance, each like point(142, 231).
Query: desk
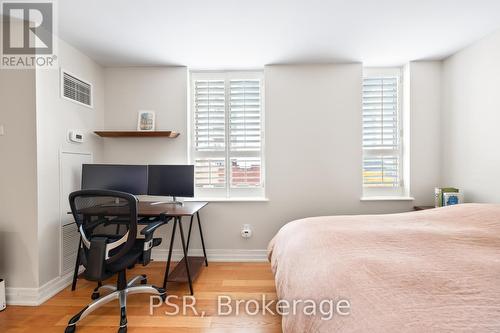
point(189, 267)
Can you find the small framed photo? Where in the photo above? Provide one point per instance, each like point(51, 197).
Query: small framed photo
point(146, 120)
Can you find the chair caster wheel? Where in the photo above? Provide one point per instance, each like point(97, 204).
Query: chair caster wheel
point(94, 296)
point(122, 329)
point(70, 329)
point(163, 294)
point(145, 281)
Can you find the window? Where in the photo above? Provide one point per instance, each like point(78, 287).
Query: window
point(226, 141)
point(382, 133)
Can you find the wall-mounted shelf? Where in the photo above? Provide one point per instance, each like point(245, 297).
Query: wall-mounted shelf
point(137, 134)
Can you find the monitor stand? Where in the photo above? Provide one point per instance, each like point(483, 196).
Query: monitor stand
point(174, 201)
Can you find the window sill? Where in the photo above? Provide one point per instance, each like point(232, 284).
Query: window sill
point(387, 198)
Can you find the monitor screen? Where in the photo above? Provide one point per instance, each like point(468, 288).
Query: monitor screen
point(126, 178)
point(171, 180)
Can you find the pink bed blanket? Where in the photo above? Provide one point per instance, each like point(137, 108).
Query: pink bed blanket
point(429, 271)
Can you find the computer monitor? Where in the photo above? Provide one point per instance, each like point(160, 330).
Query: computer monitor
point(171, 180)
point(126, 178)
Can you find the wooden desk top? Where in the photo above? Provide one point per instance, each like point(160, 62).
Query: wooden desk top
point(187, 209)
point(146, 209)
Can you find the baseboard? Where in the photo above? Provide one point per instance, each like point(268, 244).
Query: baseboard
point(217, 255)
point(37, 296)
point(21, 296)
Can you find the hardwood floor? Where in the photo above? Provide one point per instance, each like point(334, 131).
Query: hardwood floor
point(238, 280)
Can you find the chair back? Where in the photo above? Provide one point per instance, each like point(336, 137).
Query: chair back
point(107, 222)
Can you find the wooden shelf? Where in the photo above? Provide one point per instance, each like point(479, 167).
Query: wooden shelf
point(179, 273)
point(137, 134)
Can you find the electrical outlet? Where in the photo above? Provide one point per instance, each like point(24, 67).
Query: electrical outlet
point(246, 231)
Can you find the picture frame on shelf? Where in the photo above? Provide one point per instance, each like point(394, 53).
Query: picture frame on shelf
point(145, 120)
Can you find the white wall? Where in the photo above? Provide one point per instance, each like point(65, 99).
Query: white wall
point(313, 144)
point(425, 119)
point(161, 89)
point(471, 114)
point(313, 139)
point(55, 116)
point(18, 188)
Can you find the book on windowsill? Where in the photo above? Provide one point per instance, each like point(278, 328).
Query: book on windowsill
point(439, 194)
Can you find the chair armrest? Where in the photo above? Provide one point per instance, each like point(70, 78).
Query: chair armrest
point(148, 239)
point(151, 227)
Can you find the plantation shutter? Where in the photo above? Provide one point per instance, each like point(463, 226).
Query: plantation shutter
point(381, 134)
point(226, 134)
point(245, 172)
point(209, 123)
point(245, 115)
point(210, 172)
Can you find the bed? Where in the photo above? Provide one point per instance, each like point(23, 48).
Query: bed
point(435, 270)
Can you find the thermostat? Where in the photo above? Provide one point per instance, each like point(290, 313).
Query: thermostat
point(76, 136)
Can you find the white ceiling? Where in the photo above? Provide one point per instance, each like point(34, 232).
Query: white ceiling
point(225, 34)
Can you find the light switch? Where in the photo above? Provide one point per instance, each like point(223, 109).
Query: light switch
point(2, 132)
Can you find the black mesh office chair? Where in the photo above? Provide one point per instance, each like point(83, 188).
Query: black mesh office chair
point(105, 252)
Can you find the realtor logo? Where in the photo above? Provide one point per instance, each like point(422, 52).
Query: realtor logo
point(27, 34)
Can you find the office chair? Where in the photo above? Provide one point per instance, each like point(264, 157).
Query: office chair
point(105, 253)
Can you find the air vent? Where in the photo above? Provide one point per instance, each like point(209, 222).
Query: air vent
point(76, 90)
point(70, 241)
